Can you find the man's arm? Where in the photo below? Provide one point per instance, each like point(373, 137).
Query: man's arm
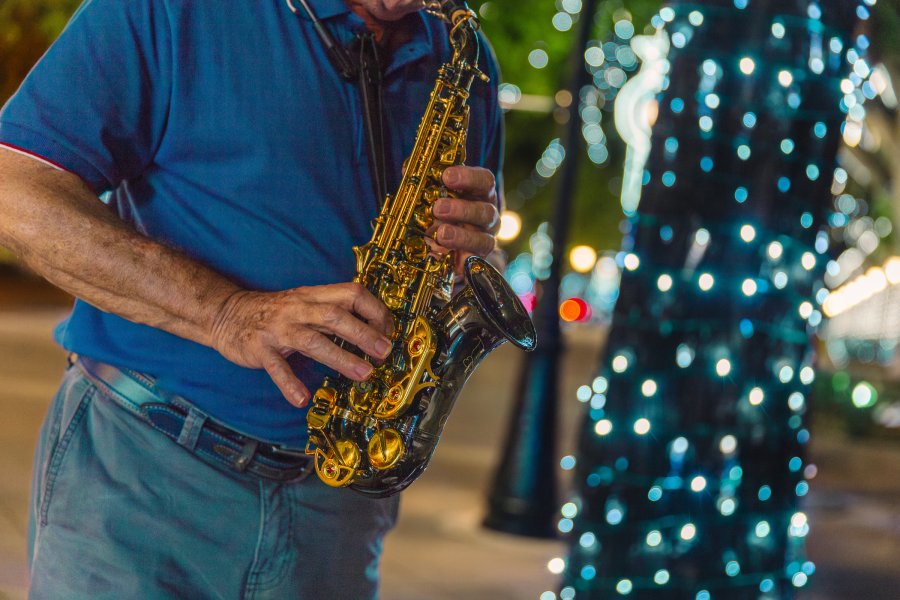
point(59, 228)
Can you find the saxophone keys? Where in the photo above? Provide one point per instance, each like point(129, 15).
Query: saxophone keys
point(420, 339)
point(415, 248)
point(415, 347)
point(394, 396)
point(391, 294)
point(363, 397)
point(385, 449)
point(436, 173)
point(319, 414)
point(337, 467)
point(424, 216)
point(394, 401)
point(448, 156)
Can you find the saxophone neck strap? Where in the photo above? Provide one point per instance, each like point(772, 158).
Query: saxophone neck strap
point(370, 91)
point(360, 63)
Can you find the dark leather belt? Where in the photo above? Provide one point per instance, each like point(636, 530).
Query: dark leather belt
point(193, 429)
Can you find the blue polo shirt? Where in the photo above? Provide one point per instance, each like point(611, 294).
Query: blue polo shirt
point(221, 129)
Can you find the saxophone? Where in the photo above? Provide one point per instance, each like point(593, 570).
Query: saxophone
point(378, 436)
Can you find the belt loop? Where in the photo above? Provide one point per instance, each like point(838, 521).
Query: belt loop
point(246, 455)
point(190, 431)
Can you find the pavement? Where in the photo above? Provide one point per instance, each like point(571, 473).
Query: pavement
point(438, 550)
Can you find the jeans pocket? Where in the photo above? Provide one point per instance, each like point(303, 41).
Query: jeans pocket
point(67, 414)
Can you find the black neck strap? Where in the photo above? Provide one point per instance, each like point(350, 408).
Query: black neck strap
point(360, 63)
point(369, 84)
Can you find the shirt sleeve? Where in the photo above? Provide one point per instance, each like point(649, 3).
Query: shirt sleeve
point(96, 103)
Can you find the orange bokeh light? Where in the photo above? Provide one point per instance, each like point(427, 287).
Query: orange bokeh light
point(574, 309)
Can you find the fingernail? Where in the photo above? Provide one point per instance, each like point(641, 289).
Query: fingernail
point(448, 234)
point(300, 399)
point(441, 208)
point(451, 176)
point(383, 348)
point(363, 372)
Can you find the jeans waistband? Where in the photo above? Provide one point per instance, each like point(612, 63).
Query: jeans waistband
point(191, 428)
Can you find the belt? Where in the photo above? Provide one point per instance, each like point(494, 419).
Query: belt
point(193, 429)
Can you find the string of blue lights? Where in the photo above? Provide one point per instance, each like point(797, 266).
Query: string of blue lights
point(691, 462)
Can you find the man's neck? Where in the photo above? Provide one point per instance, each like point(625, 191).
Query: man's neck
point(388, 33)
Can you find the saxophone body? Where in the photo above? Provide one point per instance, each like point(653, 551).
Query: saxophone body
point(378, 436)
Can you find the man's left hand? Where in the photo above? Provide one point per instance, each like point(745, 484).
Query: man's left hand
point(467, 224)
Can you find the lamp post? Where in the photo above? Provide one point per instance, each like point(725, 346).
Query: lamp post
point(523, 498)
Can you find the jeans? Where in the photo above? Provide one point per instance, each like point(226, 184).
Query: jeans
point(121, 511)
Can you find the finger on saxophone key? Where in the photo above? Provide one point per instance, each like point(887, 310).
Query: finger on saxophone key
point(472, 180)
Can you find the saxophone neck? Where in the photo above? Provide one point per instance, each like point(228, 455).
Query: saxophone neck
point(463, 25)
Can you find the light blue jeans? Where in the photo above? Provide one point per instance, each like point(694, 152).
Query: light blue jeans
point(121, 511)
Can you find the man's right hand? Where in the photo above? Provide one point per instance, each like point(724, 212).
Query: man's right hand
point(261, 329)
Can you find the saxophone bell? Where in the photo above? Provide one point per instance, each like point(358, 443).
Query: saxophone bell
point(480, 318)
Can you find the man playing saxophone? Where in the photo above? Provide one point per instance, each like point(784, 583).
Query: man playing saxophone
point(213, 282)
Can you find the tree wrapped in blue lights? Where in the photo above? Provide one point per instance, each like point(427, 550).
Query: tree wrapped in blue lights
point(691, 459)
